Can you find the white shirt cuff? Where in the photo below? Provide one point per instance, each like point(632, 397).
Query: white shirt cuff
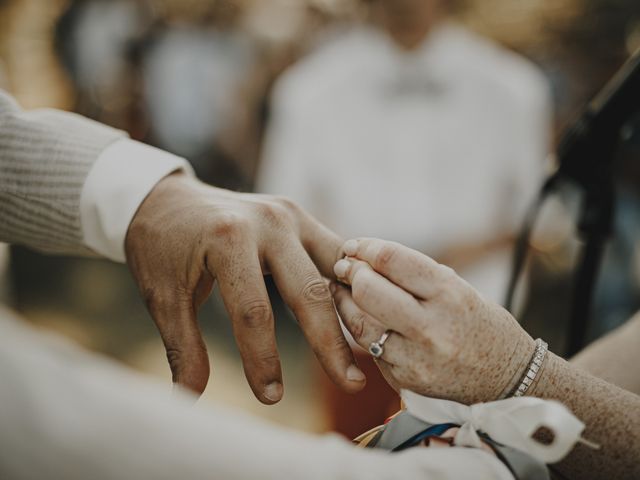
point(121, 178)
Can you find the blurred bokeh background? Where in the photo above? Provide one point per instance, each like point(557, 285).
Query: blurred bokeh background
point(378, 99)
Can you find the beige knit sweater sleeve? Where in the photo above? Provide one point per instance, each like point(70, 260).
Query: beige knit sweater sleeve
point(45, 157)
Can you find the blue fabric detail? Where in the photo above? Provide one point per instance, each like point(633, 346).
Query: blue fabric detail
point(432, 431)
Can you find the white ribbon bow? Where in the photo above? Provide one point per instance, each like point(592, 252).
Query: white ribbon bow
point(511, 422)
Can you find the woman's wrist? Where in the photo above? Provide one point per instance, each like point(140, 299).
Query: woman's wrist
point(609, 413)
point(519, 364)
point(532, 370)
point(544, 385)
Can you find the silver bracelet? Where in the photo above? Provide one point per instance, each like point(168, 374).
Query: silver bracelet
point(533, 368)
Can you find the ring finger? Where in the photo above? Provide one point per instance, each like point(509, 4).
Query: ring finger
point(365, 329)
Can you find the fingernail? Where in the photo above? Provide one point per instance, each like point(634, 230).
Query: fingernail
point(273, 391)
point(350, 248)
point(354, 374)
point(341, 268)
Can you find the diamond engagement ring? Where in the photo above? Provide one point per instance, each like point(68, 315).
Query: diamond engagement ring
point(377, 348)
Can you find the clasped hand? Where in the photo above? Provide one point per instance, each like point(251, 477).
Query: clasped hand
point(447, 341)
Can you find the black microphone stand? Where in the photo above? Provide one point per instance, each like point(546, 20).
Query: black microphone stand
point(595, 226)
point(586, 156)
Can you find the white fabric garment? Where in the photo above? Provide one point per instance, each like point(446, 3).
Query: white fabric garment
point(512, 422)
point(120, 179)
point(66, 415)
point(433, 148)
point(191, 78)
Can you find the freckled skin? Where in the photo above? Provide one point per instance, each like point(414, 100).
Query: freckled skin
point(448, 342)
point(432, 360)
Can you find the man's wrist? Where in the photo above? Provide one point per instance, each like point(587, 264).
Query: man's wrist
point(117, 184)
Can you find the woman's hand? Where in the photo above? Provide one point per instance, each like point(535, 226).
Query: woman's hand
point(447, 341)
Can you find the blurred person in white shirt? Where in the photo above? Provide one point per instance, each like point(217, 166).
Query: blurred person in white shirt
point(435, 122)
point(193, 70)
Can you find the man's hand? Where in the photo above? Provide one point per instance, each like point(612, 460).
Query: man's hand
point(186, 235)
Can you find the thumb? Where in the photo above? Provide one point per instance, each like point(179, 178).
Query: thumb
point(175, 316)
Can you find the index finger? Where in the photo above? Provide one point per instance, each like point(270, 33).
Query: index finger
point(307, 294)
point(388, 303)
point(411, 270)
point(323, 246)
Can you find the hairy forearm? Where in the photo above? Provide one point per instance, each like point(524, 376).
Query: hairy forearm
point(611, 415)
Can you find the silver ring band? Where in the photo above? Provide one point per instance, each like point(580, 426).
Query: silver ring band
point(377, 348)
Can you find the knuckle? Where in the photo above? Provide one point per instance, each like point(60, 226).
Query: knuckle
point(384, 256)
point(272, 213)
point(255, 314)
point(448, 278)
point(228, 225)
point(287, 203)
point(357, 326)
point(447, 271)
point(316, 292)
point(450, 296)
point(193, 354)
point(174, 357)
point(447, 281)
point(455, 293)
point(338, 344)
